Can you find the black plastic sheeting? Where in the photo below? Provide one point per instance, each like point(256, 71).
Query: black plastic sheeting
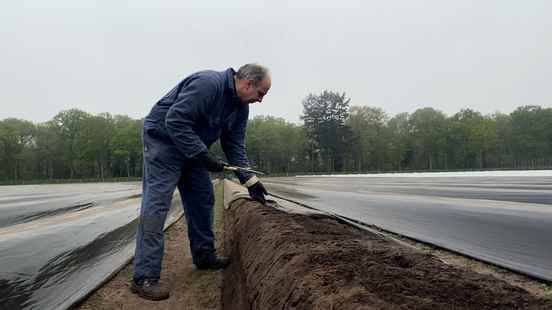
point(59, 242)
point(501, 220)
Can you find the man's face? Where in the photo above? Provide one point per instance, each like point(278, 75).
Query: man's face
point(252, 94)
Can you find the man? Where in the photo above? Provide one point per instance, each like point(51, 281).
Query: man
point(177, 134)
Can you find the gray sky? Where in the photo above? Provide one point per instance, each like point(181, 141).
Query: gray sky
point(121, 57)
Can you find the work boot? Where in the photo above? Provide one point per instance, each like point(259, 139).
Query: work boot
point(214, 263)
point(149, 289)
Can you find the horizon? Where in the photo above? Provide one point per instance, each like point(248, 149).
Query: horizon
point(299, 122)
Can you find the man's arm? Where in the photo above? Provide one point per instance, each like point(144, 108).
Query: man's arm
point(233, 144)
point(190, 106)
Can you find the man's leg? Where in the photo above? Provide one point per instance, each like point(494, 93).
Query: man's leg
point(198, 199)
point(159, 182)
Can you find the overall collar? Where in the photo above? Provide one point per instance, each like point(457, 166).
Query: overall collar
point(230, 73)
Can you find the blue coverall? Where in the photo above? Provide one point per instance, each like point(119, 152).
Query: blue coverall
point(185, 122)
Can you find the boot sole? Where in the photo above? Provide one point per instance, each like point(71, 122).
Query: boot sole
point(140, 293)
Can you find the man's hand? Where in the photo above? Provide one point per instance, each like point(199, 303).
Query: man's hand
point(257, 191)
point(209, 161)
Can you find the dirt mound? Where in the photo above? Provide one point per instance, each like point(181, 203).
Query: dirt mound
point(292, 261)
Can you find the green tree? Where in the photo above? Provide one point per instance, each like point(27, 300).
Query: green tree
point(428, 128)
point(531, 129)
point(324, 119)
point(16, 137)
point(71, 129)
point(370, 146)
point(398, 129)
point(98, 134)
point(48, 154)
point(127, 146)
point(273, 144)
point(471, 138)
point(504, 150)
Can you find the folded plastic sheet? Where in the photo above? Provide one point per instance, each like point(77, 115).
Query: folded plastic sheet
point(60, 242)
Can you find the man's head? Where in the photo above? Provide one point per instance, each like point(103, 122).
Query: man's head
point(252, 83)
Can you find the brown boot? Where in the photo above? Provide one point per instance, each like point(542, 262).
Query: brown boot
point(149, 289)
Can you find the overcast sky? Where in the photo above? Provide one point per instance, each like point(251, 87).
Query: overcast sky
point(122, 56)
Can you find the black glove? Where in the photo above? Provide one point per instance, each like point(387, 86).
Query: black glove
point(257, 191)
point(209, 161)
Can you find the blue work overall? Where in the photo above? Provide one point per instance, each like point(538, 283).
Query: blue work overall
point(191, 117)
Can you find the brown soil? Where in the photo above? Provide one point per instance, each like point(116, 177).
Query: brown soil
point(535, 287)
point(293, 261)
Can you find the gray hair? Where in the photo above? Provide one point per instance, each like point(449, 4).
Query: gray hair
point(253, 72)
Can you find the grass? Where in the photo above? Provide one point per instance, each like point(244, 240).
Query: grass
point(547, 290)
point(219, 207)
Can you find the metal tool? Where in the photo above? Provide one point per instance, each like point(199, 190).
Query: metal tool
point(234, 168)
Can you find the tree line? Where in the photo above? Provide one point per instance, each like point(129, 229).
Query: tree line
point(334, 137)
point(337, 137)
point(73, 145)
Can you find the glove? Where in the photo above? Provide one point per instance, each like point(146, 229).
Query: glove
point(257, 191)
point(209, 161)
